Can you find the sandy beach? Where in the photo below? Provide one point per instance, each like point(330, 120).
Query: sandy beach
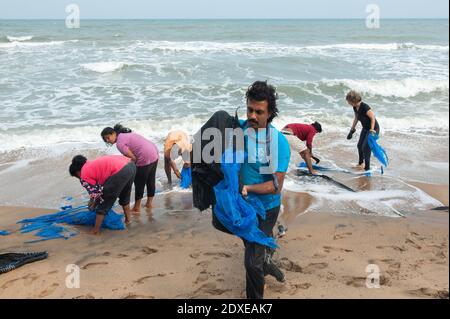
point(61, 87)
point(174, 252)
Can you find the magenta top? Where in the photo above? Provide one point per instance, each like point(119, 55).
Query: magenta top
point(145, 151)
point(99, 170)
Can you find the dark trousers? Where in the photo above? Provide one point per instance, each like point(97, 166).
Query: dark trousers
point(255, 254)
point(117, 186)
point(364, 150)
point(145, 176)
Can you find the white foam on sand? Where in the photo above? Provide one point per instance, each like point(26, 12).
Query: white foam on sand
point(384, 202)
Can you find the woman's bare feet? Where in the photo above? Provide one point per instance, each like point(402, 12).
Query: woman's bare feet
point(136, 210)
point(149, 203)
point(359, 166)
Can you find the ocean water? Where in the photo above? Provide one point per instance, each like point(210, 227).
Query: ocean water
point(59, 87)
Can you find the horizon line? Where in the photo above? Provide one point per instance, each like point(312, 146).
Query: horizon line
point(194, 19)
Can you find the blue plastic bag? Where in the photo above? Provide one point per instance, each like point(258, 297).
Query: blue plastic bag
point(377, 150)
point(237, 214)
point(186, 178)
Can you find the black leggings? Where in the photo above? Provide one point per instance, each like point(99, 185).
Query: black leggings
point(145, 175)
point(117, 186)
point(255, 254)
point(364, 150)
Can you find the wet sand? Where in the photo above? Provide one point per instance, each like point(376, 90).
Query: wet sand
point(174, 252)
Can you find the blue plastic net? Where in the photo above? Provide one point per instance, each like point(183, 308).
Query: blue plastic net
point(186, 178)
point(237, 214)
point(50, 226)
point(377, 150)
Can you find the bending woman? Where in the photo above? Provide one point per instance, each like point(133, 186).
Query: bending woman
point(106, 179)
point(144, 153)
point(365, 115)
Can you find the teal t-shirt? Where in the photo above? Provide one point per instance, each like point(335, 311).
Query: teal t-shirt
point(256, 169)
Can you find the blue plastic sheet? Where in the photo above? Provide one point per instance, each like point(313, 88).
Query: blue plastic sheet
point(238, 214)
point(377, 150)
point(51, 226)
point(4, 233)
point(316, 167)
point(186, 178)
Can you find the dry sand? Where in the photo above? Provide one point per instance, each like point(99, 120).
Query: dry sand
point(174, 252)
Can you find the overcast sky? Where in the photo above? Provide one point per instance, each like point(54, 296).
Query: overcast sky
point(228, 9)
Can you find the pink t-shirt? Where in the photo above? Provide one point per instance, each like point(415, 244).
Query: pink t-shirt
point(99, 170)
point(145, 151)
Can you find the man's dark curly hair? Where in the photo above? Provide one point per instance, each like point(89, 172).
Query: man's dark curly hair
point(261, 91)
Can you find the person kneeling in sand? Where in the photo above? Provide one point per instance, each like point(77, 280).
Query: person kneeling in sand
point(106, 179)
point(180, 139)
point(300, 138)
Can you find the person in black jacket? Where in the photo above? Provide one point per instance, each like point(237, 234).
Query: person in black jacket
point(365, 115)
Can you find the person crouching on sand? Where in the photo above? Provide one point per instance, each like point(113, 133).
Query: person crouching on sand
point(106, 179)
point(180, 139)
point(365, 115)
point(141, 151)
point(300, 138)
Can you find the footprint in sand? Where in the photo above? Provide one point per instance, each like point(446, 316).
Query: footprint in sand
point(398, 248)
point(359, 282)
point(210, 289)
point(356, 282)
point(303, 286)
point(341, 236)
point(48, 291)
point(412, 243)
point(313, 267)
point(328, 249)
point(289, 265)
point(90, 265)
point(194, 255)
point(148, 251)
point(27, 279)
point(204, 263)
point(218, 254)
point(201, 278)
point(141, 280)
point(429, 292)
point(417, 236)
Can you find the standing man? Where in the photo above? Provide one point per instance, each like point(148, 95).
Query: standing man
point(262, 174)
point(300, 138)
